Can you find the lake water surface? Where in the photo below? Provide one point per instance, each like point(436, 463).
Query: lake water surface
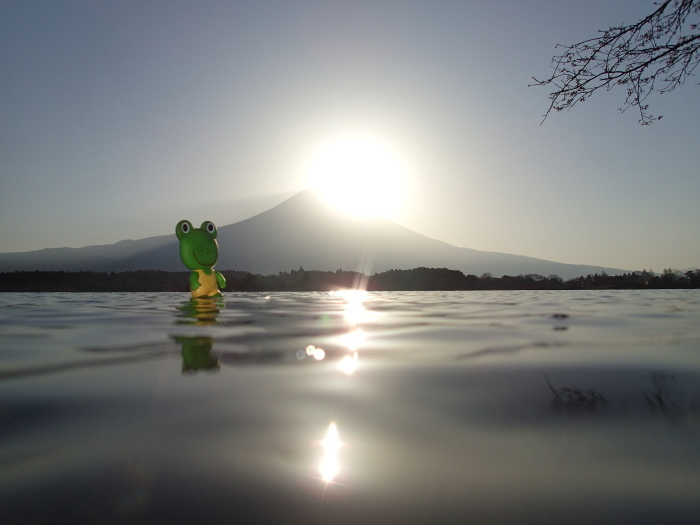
point(427, 407)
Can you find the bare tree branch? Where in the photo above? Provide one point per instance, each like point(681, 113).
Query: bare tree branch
point(655, 55)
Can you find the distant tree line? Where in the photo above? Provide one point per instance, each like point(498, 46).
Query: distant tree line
point(417, 279)
point(136, 281)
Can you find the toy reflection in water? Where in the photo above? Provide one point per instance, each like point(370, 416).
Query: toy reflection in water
point(199, 252)
point(200, 311)
point(197, 350)
point(197, 354)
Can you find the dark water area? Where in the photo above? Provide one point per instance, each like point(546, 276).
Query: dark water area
point(349, 407)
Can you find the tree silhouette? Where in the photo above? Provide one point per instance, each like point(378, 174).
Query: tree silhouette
point(417, 279)
point(656, 54)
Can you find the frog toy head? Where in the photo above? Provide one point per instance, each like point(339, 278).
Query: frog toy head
point(198, 247)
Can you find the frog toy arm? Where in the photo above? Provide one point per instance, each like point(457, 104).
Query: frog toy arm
point(199, 252)
point(220, 279)
point(194, 281)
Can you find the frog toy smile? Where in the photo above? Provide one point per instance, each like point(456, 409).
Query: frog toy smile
point(199, 252)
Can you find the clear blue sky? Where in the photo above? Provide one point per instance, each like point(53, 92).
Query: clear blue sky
point(118, 119)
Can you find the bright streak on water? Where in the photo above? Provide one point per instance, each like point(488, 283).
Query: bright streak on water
point(348, 364)
point(329, 466)
point(354, 308)
point(354, 312)
point(355, 339)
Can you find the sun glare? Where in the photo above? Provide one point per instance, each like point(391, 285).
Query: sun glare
point(359, 176)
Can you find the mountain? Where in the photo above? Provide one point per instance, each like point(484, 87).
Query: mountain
point(302, 231)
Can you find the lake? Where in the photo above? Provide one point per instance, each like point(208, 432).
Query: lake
point(350, 407)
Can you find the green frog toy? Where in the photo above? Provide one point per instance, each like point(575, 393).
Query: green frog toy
point(199, 252)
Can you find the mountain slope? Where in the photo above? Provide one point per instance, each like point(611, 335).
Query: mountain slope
point(303, 231)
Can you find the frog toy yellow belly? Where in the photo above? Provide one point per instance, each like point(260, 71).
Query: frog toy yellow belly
point(199, 252)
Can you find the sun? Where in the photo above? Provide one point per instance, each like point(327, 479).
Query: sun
point(359, 176)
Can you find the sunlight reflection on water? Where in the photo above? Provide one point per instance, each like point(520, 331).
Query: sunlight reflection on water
point(329, 465)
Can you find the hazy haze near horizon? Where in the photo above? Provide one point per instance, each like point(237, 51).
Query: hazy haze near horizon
point(118, 120)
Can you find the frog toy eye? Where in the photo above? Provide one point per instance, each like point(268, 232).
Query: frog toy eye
point(183, 228)
point(210, 228)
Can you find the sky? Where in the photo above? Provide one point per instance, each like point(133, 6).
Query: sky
point(118, 119)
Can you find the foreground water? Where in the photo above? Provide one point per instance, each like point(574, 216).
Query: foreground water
point(458, 407)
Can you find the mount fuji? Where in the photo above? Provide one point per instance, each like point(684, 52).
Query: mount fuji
point(303, 231)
